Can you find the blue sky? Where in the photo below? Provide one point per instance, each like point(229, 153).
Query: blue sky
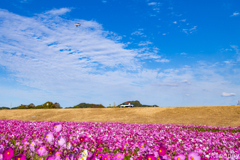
point(168, 53)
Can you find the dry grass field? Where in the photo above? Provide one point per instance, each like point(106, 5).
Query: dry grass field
point(222, 116)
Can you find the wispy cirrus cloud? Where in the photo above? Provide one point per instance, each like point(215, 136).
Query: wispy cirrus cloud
point(235, 14)
point(139, 32)
point(144, 43)
point(152, 3)
point(224, 94)
point(183, 20)
point(191, 30)
point(58, 11)
point(235, 47)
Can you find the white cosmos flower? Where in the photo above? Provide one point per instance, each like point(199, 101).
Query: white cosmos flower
point(84, 155)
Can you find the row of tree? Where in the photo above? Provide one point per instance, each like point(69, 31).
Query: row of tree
point(50, 105)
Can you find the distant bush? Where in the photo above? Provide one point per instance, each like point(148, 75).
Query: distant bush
point(3, 108)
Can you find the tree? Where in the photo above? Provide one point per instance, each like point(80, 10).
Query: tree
point(56, 105)
point(39, 107)
point(31, 105)
point(48, 104)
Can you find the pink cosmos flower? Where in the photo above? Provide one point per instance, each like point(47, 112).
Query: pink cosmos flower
point(57, 155)
point(61, 141)
point(66, 158)
point(41, 150)
point(57, 127)
point(179, 157)
point(100, 149)
point(48, 136)
point(194, 156)
point(100, 156)
point(119, 156)
point(50, 158)
point(106, 157)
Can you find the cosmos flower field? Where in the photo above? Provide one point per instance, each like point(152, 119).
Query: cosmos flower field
point(49, 140)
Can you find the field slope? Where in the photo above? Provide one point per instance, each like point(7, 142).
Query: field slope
point(222, 116)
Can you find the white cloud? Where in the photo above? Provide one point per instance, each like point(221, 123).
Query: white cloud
point(144, 43)
point(191, 30)
point(235, 14)
point(183, 53)
point(152, 4)
point(185, 31)
point(184, 20)
point(228, 49)
point(227, 62)
point(186, 81)
point(104, 1)
point(194, 28)
point(164, 34)
point(235, 47)
point(175, 22)
point(58, 11)
point(163, 60)
point(224, 94)
point(137, 33)
point(25, 1)
point(187, 94)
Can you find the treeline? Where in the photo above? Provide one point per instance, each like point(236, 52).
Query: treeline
point(47, 105)
point(50, 105)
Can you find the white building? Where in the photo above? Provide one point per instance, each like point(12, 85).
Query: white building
point(126, 105)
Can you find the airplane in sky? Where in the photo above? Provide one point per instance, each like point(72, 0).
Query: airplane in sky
point(78, 24)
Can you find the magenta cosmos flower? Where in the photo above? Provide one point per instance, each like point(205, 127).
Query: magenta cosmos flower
point(21, 156)
point(50, 158)
point(151, 157)
point(8, 153)
point(162, 150)
point(194, 156)
point(57, 127)
point(1, 149)
point(106, 157)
